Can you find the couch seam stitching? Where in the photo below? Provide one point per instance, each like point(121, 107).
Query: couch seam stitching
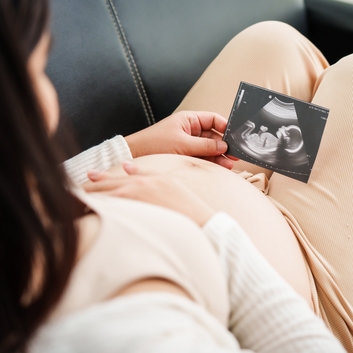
point(132, 64)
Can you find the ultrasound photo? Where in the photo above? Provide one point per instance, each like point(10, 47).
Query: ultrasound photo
point(275, 131)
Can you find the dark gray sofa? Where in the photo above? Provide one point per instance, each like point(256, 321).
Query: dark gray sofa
point(122, 65)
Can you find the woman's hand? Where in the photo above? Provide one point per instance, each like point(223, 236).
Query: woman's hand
point(161, 190)
point(197, 134)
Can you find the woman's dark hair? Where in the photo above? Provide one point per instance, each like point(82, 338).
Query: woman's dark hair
point(38, 240)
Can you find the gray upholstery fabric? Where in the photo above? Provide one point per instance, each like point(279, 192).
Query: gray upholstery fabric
point(121, 65)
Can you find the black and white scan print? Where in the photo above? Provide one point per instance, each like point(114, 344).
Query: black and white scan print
point(275, 131)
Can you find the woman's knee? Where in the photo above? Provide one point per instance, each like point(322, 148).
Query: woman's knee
point(337, 78)
point(344, 66)
point(269, 34)
point(279, 57)
point(278, 39)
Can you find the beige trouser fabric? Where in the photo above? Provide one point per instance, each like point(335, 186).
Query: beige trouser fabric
point(276, 56)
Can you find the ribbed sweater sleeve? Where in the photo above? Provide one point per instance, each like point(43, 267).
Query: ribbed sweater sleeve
point(100, 157)
point(266, 314)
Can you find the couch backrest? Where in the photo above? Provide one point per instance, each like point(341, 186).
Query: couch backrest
point(121, 65)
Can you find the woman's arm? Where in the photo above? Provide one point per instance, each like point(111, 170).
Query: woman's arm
point(196, 134)
point(267, 315)
point(145, 322)
point(100, 157)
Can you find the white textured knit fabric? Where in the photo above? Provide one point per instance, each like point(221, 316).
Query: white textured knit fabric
point(100, 157)
point(266, 314)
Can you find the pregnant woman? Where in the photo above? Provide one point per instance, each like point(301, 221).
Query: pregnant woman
point(172, 263)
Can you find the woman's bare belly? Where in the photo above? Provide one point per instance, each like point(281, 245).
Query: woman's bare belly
point(224, 190)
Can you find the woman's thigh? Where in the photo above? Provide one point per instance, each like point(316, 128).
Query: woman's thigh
point(269, 54)
point(225, 191)
point(323, 207)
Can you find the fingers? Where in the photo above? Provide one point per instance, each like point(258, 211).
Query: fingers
point(204, 121)
point(221, 146)
point(206, 147)
point(205, 136)
point(232, 157)
point(211, 134)
point(130, 168)
point(138, 187)
point(103, 185)
point(211, 120)
point(116, 186)
point(96, 175)
point(222, 161)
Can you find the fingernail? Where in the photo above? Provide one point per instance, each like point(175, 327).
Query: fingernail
point(128, 164)
point(229, 164)
point(93, 173)
point(129, 167)
point(221, 146)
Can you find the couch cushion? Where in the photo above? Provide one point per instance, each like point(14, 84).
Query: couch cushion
point(121, 65)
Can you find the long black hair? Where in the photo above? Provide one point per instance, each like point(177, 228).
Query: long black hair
point(38, 239)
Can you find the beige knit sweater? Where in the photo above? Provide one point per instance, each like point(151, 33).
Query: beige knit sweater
point(265, 314)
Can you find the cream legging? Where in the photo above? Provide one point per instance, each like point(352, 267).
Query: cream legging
point(276, 56)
